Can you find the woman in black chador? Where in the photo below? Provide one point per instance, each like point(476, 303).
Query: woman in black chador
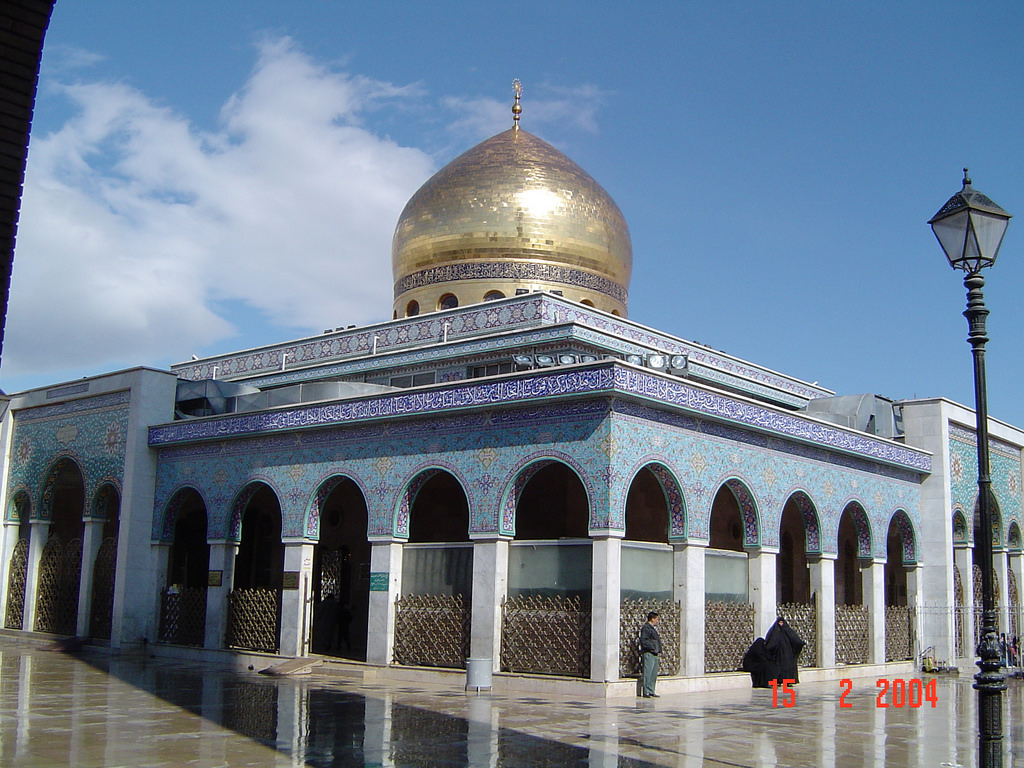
point(759, 664)
point(784, 646)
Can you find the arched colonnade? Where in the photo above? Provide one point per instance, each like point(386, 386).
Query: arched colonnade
point(434, 591)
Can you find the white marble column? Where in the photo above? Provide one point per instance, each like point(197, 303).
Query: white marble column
point(222, 560)
point(688, 590)
point(293, 720)
point(761, 586)
point(40, 533)
point(482, 729)
point(963, 557)
point(385, 589)
point(490, 587)
point(874, 599)
point(823, 585)
point(377, 736)
point(92, 538)
point(297, 598)
point(915, 601)
point(1002, 582)
point(606, 575)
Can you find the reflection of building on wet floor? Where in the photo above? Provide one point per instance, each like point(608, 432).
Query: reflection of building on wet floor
point(509, 470)
point(61, 710)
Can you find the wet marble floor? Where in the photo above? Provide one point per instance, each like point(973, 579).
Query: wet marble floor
point(97, 710)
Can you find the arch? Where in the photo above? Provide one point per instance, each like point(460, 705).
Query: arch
point(672, 493)
point(172, 507)
point(748, 510)
point(447, 301)
point(440, 510)
point(412, 308)
point(899, 552)
point(189, 556)
point(997, 521)
point(812, 526)
point(522, 474)
point(862, 525)
point(853, 543)
point(518, 492)
point(103, 501)
point(315, 508)
point(259, 562)
point(906, 531)
point(341, 558)
point(961, 533)
point(798, 532)
point(1013, 537)
point(407, 498)
point(493, 295)
point(60, 473)
point(241, 501)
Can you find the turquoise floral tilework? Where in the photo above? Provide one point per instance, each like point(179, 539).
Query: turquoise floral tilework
point(702, 457)
point(1004, 470)
point(90, 431)
point(492, 454)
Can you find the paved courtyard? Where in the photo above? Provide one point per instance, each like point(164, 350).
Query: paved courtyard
point(96, 710)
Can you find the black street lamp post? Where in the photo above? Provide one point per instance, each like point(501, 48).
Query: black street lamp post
point(970, 229)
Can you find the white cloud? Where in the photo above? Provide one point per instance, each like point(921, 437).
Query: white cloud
point(547, 106)
point(135, 226)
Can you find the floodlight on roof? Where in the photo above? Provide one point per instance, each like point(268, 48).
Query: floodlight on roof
point(544, 361)
point(523, 362)
point(567, 359)
point(635, 359)
point(588, 358)
point(677, 363)
point(657, 361)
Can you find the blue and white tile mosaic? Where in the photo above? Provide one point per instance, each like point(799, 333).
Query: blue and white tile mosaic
point(90, 431)
point(1004, 470)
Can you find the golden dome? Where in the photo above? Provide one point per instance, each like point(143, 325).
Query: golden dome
point(512, 213)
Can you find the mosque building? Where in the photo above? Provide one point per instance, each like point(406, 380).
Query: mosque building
point(509, 471)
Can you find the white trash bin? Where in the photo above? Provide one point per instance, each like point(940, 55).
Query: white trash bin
point(478, 673)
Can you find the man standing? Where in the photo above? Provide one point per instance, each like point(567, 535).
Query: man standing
point(650, 647)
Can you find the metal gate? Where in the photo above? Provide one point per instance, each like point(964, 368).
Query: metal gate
point(183, 616)
point(852, 634)
point(899, 633)
point(547, 635)
point(254, 619)
point(803, 618)
point(431, 630)
point(728, 632)
point(60, 572)
point(632, 616)
point(103, 589)
point(15, 616)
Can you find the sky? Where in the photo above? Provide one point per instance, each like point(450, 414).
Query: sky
point(204, 177)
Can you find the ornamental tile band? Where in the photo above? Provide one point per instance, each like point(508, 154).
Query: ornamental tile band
point(508, 270)
point(606, 377)
point(82, 405)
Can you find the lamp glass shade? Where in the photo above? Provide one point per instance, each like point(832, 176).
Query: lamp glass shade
point(971, 238)
point(970, 229)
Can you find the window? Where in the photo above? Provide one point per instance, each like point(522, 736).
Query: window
point(448, 301)
point(490, 369)
point(492, 295)
point(413, 379)
point(412, 308)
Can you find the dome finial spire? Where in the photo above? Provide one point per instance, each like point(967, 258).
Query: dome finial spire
point(516, 108)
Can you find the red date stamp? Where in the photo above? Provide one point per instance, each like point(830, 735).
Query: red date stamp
point(892, 693)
